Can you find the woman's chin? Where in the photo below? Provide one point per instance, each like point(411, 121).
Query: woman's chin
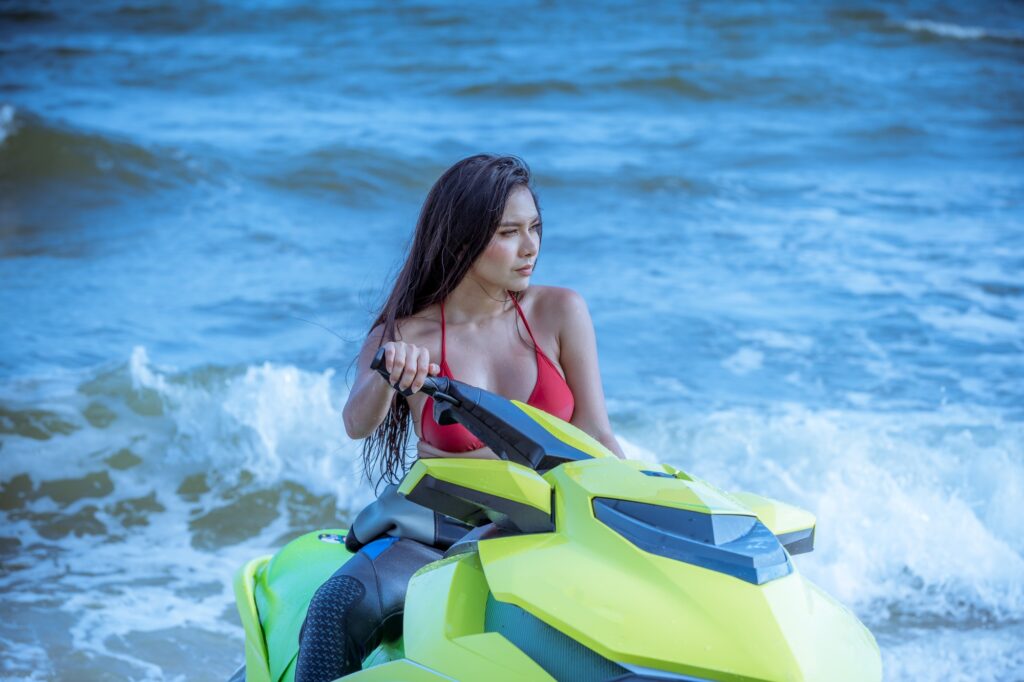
point(519, 284)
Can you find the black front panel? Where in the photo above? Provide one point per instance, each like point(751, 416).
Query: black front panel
point(733, 544)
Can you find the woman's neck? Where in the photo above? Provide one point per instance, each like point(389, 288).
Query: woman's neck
point(473, 301)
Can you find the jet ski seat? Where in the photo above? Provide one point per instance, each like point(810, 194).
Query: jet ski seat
point(395, 515)
point(362, 604)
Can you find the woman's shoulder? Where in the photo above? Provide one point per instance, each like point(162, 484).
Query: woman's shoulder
point(554, 308)
point(419, 327)
point(548, 300)
point(412, 329)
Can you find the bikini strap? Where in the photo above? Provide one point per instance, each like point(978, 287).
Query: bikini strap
point(527, 324)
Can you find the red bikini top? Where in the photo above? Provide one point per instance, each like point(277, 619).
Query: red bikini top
point(551, 393)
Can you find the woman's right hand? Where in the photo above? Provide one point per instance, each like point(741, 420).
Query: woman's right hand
point(408, 364)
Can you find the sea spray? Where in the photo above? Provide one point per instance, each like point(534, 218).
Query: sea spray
point(913, 521)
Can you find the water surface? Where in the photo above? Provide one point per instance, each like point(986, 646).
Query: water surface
point(798, 229)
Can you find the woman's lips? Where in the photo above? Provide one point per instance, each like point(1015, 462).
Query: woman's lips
point(525, 271)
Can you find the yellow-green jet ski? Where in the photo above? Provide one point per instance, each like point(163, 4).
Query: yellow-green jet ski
point(579, 567)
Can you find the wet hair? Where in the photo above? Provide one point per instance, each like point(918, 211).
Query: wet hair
point(459, 217)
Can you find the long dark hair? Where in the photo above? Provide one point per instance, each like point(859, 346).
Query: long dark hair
point(458, 219)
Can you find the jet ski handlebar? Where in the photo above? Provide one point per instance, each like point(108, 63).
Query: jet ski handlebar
point(511, 430)
point(436, 387)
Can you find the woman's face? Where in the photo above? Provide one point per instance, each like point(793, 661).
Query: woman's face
point(507, 262)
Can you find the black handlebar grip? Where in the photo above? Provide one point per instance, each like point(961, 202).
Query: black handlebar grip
point(377, 364)
point(429, 384)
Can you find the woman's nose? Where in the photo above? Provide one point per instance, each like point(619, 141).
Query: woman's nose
point(528, 246)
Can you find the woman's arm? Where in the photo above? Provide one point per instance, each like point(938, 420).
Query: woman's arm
point(578, 358)
point(370, 398)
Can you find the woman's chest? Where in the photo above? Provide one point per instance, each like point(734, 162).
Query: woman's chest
point(502, 363)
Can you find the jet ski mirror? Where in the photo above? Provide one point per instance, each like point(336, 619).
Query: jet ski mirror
point(515, 431)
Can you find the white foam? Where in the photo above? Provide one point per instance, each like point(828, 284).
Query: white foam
point(777, 340)
point(24, 661)
point(959, 32)
point(636, 452)
point(917, 518)
point(946, 30)
point(918, 512)
point(133, 580)
point(744, 361)
point(276, 422)
point(973, 324)
point(952, 655)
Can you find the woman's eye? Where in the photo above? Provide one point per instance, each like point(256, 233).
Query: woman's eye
point(507, 233)
point(535, 228)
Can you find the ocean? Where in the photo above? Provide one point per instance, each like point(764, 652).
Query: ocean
point(799, 228)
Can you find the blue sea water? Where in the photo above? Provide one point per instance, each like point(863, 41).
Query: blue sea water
point(799, 228)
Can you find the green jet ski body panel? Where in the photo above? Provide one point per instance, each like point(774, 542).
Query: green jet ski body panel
point(582, 567)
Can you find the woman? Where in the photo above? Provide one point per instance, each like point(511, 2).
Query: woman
point(463, 300)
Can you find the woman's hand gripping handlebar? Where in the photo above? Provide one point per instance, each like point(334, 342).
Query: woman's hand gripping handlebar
point(436, 387)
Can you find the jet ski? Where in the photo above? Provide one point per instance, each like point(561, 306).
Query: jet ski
point(579, 567)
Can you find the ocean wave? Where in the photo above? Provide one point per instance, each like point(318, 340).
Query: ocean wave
point(222, 431)
point(655, 86)
point(940, 29)
point(277, 423)
point(515, 89)
point(358, 175)
point(925, 29)
point(137, 491)
point(953, 655)
point(153, 484)
point(916, 521)
point(35, 152)
point(362, 175)
point(916, 510)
